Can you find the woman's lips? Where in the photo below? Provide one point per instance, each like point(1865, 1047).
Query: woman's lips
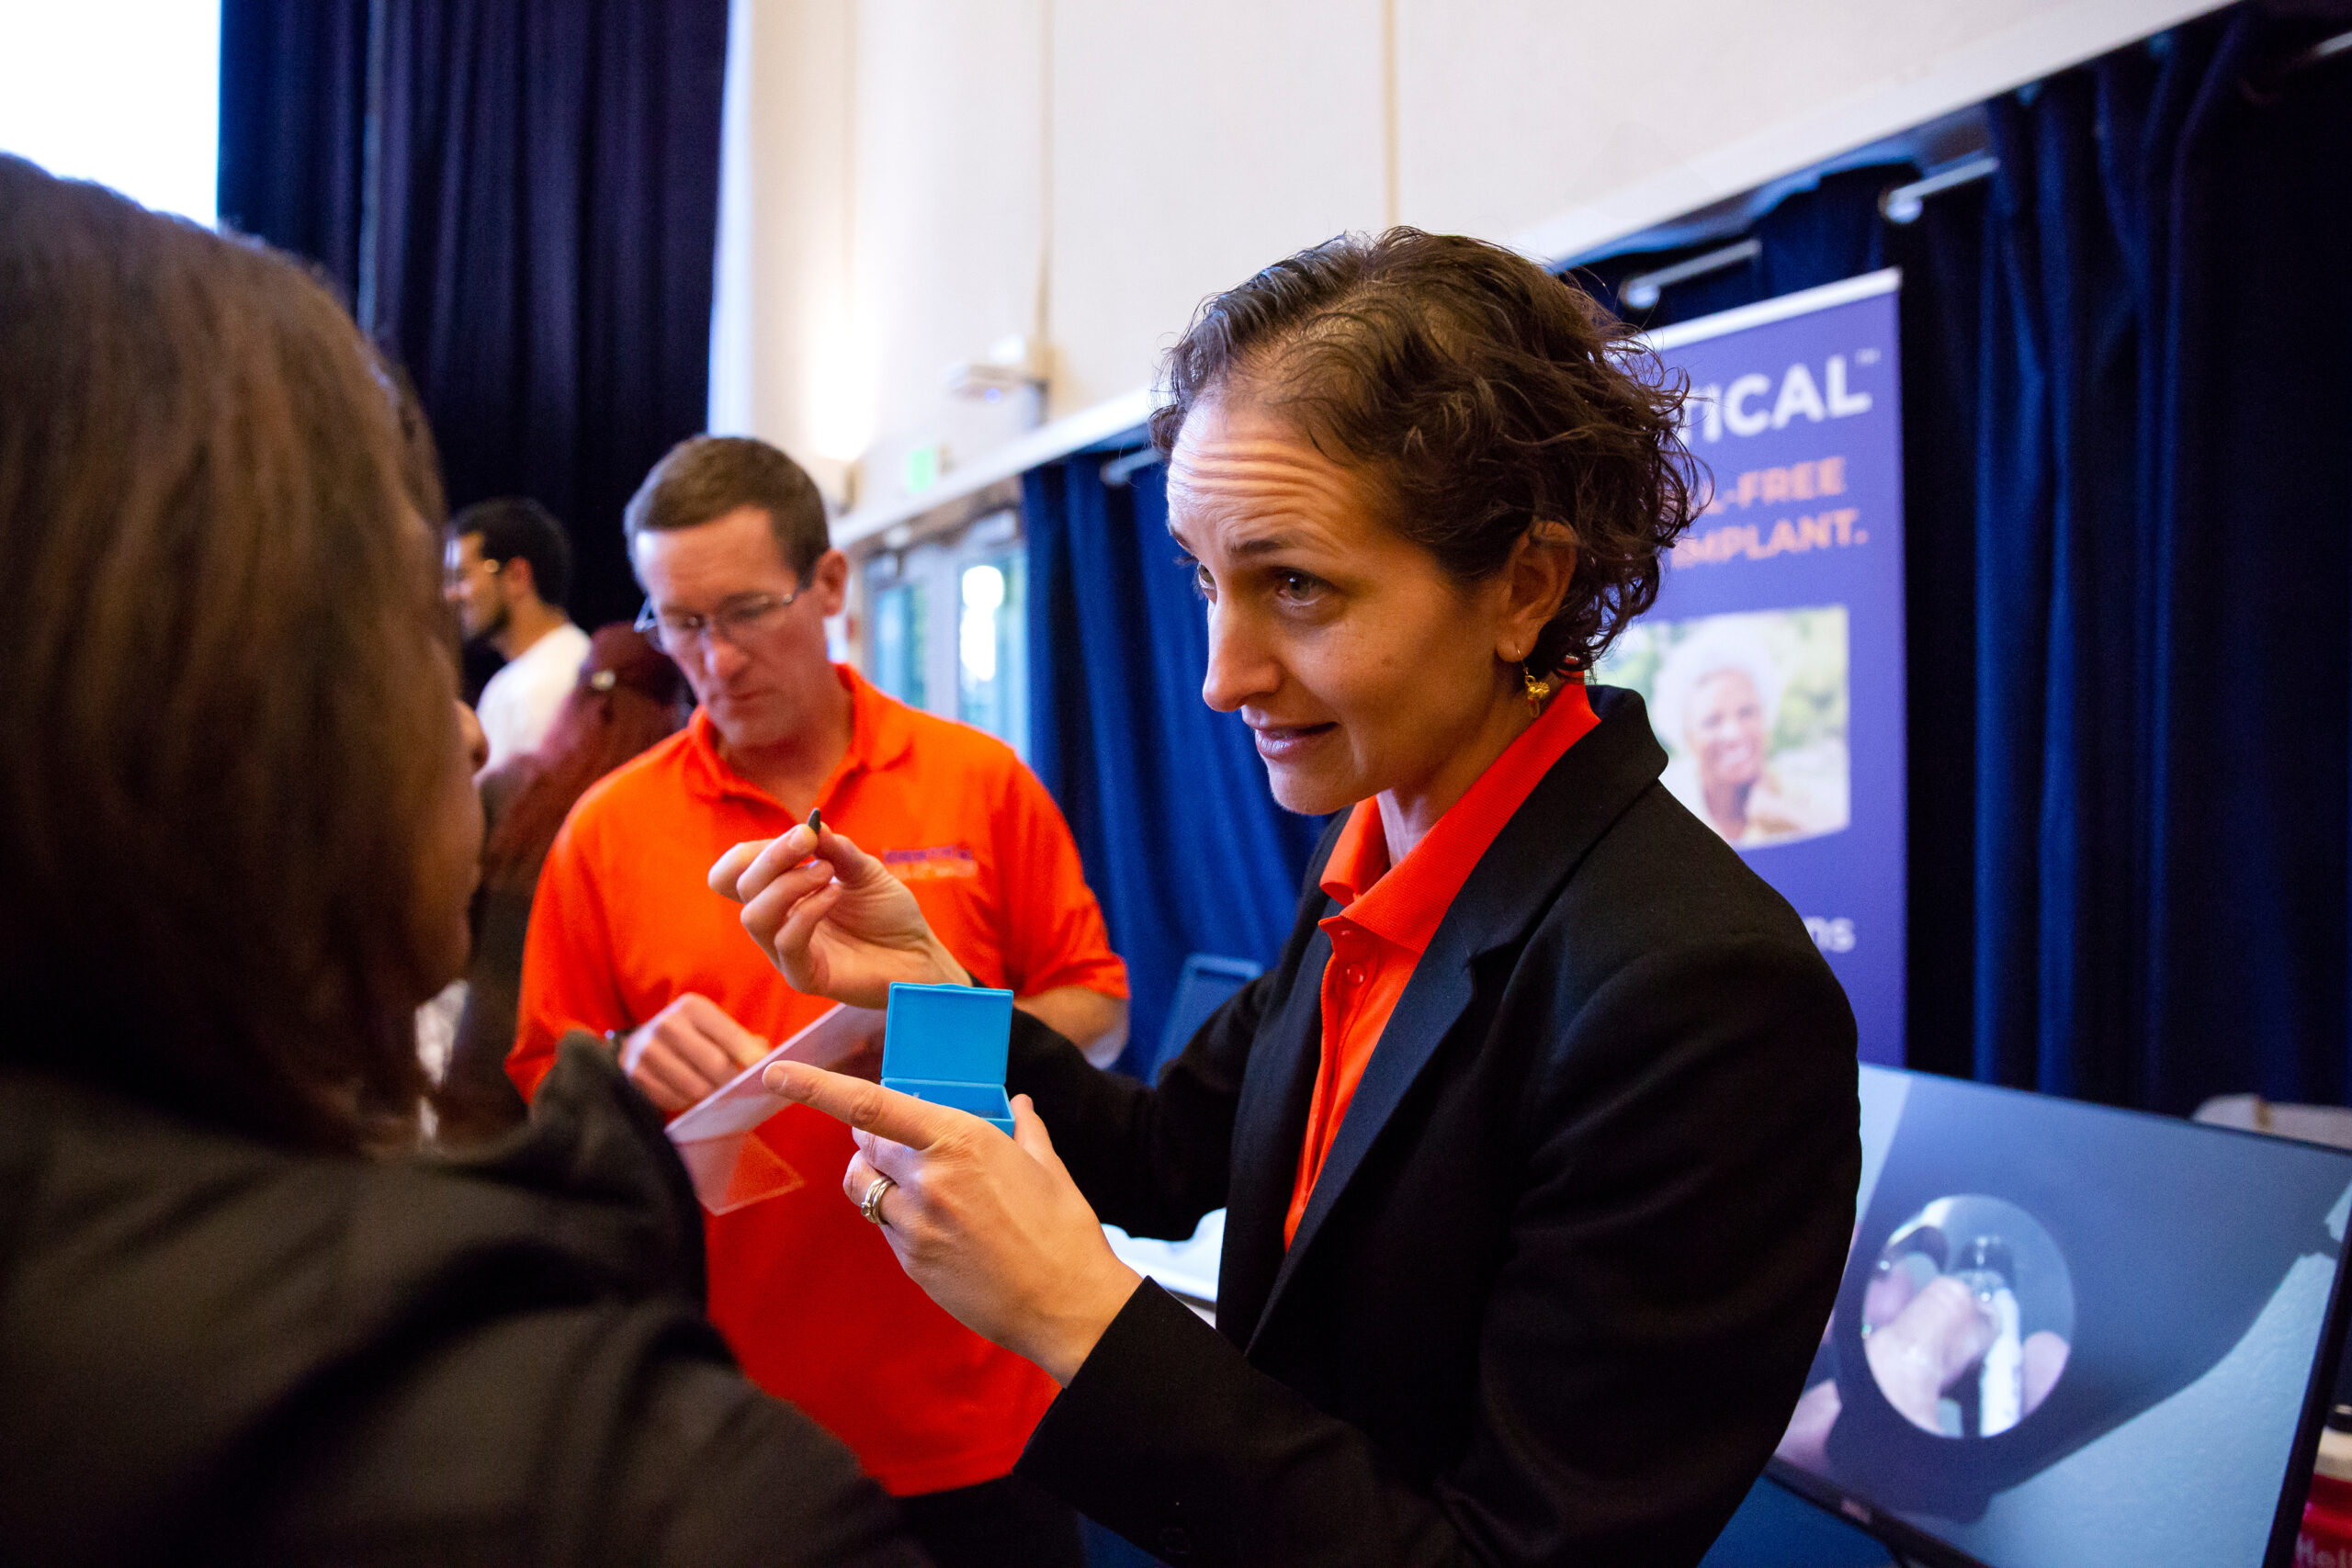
point(1284, 742)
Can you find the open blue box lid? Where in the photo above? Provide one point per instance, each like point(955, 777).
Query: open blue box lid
point(947, 1044)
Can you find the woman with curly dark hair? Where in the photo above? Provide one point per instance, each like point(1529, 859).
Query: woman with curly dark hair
point(1539, 1143)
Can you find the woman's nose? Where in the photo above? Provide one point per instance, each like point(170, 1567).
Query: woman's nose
point(1240, 669)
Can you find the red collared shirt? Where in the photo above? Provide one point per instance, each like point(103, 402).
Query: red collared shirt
point(1388, 913)
point(806, 1292)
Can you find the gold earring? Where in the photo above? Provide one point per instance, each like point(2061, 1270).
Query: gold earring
point(1537, 690)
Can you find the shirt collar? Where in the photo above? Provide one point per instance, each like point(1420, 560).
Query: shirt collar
point(1402, 903)
point(880, 732)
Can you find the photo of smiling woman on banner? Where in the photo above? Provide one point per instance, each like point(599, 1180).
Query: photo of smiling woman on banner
point(1752, 710)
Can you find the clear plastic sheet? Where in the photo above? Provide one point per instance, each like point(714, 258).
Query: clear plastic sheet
point(731, 1168)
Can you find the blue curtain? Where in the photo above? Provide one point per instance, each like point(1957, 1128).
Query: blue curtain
point(544, 212)
point(2164, 588)
point(1182, 843)
point(293, 122)
point(1811, 237)
point(2129, 486)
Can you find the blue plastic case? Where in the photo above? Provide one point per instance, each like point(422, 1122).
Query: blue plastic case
point(946, 1045)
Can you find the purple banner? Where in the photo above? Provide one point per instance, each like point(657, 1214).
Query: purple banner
point(1773, 662)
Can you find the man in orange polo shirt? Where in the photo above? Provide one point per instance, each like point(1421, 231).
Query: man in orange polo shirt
point(626, 940)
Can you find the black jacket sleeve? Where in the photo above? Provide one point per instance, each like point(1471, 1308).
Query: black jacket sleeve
point(1682, 1217)
point(1152, 1161)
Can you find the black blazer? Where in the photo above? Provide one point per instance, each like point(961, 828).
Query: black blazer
point(1557, 1287)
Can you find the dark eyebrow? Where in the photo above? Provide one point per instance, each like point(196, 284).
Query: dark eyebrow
point(1267, 545)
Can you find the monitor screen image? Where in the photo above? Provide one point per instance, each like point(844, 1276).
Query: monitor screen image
point(2071, 1336)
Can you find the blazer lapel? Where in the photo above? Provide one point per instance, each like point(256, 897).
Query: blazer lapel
point(1277, 1089)
point(1514, 882)
point(1434, 1002)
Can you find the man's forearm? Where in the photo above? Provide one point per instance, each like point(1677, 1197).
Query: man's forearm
point(1094, 1023)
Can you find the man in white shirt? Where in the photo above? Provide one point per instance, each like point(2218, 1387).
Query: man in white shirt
point(509, 568)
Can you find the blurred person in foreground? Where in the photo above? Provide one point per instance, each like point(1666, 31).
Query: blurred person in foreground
point(508, 569)
point(1539, 1143)
point(242, 1324)
point(626, 697)
point(728, 537)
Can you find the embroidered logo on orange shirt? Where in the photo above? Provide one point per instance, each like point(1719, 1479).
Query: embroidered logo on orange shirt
point(932, 865)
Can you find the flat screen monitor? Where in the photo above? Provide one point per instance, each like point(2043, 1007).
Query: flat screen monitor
point(2072, 1336)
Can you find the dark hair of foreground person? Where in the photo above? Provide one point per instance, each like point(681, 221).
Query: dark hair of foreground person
point(238, 837)
point(215, 767)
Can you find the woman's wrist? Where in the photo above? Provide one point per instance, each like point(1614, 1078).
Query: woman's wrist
point(1076, 1324)
point(943, 965)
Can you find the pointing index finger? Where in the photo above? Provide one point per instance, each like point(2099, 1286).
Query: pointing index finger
point(901, 1118)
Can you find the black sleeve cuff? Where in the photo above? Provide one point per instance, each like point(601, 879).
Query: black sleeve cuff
point(1169, 1436)
point(1141, 1438)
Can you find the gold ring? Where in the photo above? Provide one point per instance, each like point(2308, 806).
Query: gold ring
point(871, 1206)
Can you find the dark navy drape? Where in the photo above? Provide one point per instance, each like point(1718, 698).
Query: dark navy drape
point(2127, 376)
point(1168, 801)
point(544, 210)
point(2165, 653)
point(293, 128)
point(1810, 237)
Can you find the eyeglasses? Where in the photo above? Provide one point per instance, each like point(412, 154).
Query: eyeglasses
point(732, 622)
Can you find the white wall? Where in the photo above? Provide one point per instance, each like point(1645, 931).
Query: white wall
point(784, 364)
point(1193, 143)
point(911, 181)
point(123, 92)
